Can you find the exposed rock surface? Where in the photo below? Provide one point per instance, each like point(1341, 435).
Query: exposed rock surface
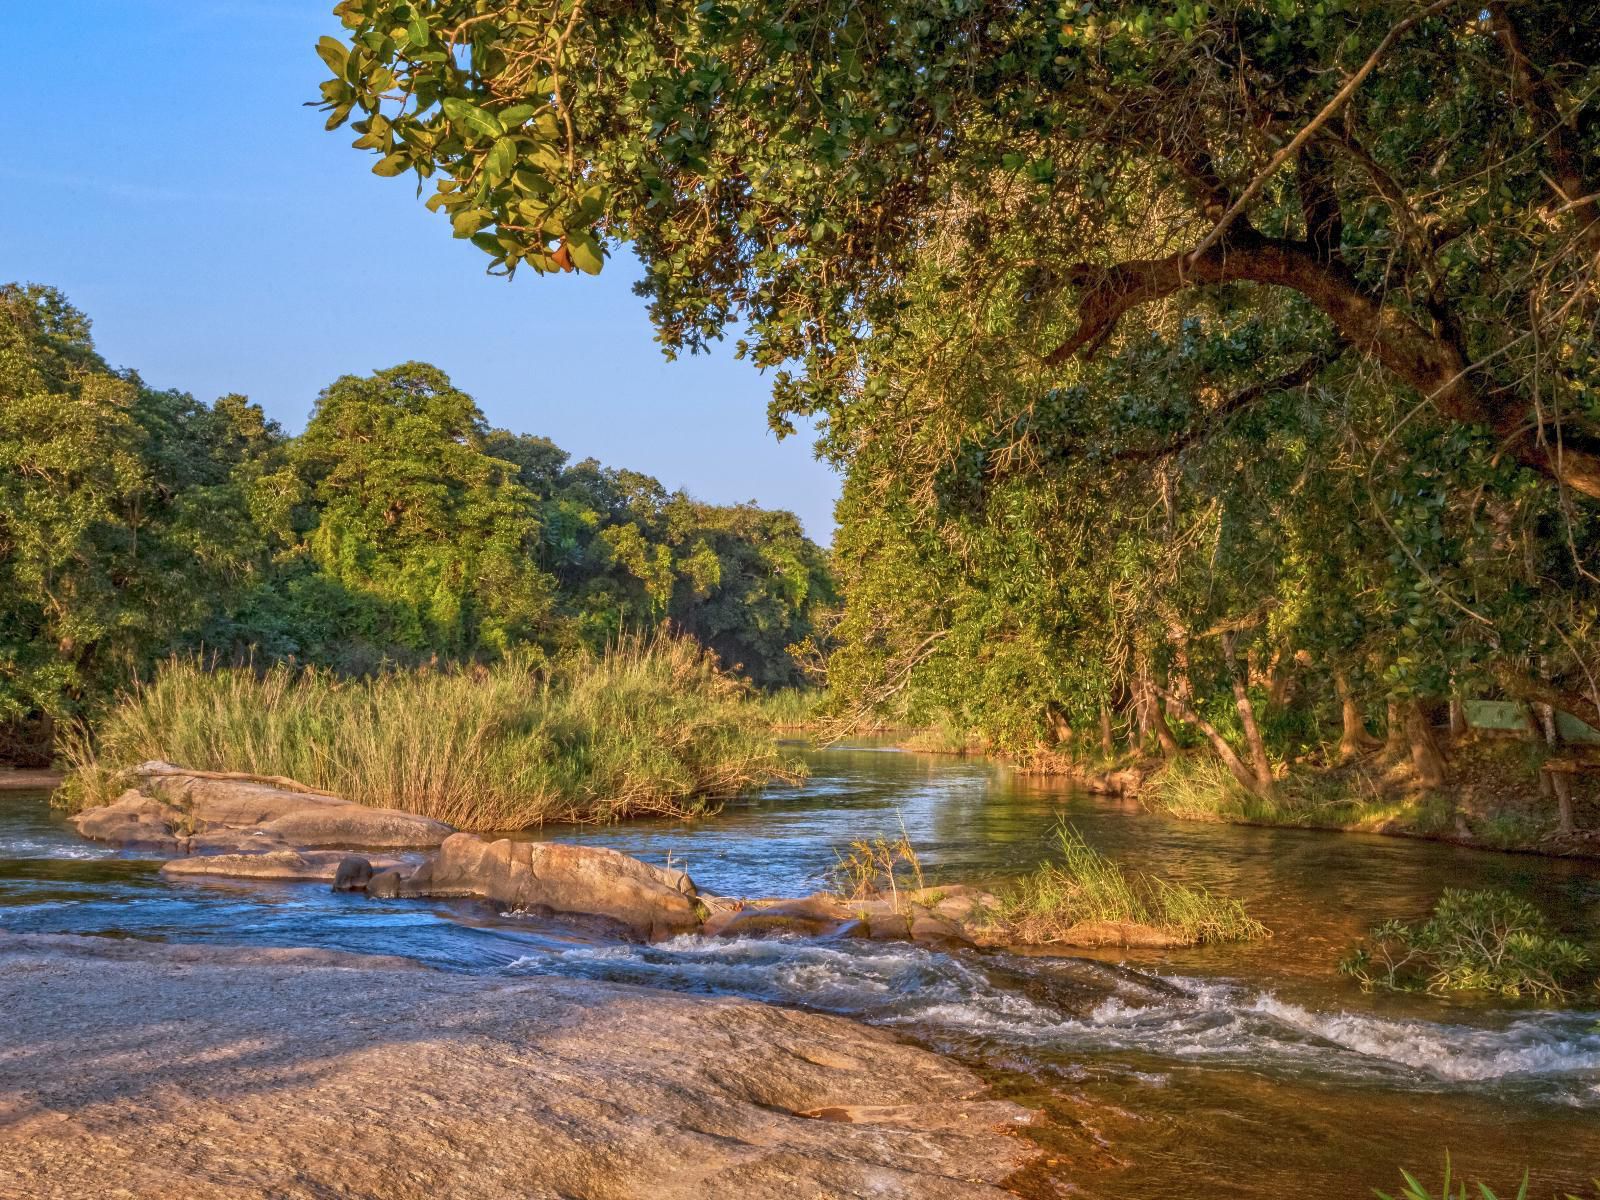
point(149, 1071)
point(308, 866)
point(555, 877)
point(198, 812)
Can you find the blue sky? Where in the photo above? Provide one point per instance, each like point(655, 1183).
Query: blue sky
point(164, 174)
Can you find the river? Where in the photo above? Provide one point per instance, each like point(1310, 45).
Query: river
point(1252, 1071)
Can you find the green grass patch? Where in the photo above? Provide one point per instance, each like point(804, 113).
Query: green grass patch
point(1456, 1187)
point(1085, 886)
point(792, 708)
point(1487, 941)
point(649, 727)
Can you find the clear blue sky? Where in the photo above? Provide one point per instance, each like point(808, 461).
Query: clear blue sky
point(164, 174)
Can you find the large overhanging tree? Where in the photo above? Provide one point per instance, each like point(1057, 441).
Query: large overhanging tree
point(1421, 173)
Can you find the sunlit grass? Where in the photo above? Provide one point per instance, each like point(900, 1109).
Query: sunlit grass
point(1086, 887)
point(649, 727)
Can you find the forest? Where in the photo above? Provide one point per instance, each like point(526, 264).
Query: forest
point(139, 525)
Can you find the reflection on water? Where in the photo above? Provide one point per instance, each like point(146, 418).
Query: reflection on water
point(1249, 1071)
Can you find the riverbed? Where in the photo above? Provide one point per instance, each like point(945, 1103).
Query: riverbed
point(1244, 1071)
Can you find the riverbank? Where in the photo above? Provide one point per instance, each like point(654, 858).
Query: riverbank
point(151, 1070)
point(1492, 802)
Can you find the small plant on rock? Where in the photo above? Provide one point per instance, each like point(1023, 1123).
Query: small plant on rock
point(1488, 941)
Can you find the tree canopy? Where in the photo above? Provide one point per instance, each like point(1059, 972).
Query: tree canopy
point(1170, 349)
point(399, 527)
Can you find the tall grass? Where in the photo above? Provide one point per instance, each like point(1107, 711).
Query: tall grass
point(1087, 887)
point(649, 727)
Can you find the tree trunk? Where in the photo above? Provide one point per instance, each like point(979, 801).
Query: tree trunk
point(1458, 719)
point(1354, 740)
point(1425, 756)
point(1108, 744)
point(1560, 785)
point(1229, 756)
point(1394, 745)
point(1247, 717)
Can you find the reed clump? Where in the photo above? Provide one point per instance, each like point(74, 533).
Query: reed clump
point(1087, 887)
point(649, 727)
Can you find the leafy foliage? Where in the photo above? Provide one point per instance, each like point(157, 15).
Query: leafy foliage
point(1172, 350)
point(1475, 941)
point(398, 528)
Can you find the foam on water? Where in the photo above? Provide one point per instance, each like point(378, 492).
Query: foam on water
point(1210, 1021)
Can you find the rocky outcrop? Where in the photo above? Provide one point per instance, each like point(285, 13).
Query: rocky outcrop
point(554, 878)
point(300, 1074)
point(199, 812)
point(946, 917)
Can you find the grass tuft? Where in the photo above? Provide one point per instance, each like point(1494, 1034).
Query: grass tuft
point(649, 727)
point(1086, 886)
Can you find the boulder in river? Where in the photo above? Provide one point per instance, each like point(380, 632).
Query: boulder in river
point(223, 812)
point(560, 878)
point(284, 863)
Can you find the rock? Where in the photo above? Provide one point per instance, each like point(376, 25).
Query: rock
point(133, 820)
point(810, 916)
point(178, 810)
point(309, 866)
point(303, 1073)
point(357, 825)
point(556, 877)
point(353, 875)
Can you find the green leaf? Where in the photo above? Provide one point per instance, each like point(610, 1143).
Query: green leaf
point(479, 120)
point(391, 164)
point(468, 221)
point(501, 159)
point(517, 115)
point(333, 53)
point(418, 33)
point(586, 255)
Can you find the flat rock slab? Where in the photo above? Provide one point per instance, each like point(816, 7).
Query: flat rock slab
point(309, 866)
point(199, 812)
point(140, 1070)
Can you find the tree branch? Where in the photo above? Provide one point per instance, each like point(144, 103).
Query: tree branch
point(1431, 364)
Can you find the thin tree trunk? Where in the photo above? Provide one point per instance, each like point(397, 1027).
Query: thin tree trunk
point(1425, 756)
point(1229, 756)
point(1458, 719)
point(1560, 785)
point(1394, 745)
point(1108, 744)
point(1354, 740)
point(1253, 740)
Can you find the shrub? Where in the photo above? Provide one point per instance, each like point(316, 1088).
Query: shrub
point(649, 727)
point(1475, 941)
point(1086, 886)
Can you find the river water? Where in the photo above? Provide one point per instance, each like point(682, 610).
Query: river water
point(1252, 1071)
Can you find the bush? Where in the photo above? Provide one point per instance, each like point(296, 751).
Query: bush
point(1475, 941)
point(1086, 886)
point(649, 727)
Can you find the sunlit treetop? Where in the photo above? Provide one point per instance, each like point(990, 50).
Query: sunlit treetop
point(1422, 174)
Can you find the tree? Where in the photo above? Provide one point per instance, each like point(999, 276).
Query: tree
point(415, 514)
point(1418, 174)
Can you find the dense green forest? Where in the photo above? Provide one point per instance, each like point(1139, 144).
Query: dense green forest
point(399, 528)
point(1214, 372)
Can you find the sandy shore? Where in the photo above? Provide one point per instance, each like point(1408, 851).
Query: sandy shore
point(137, 1070)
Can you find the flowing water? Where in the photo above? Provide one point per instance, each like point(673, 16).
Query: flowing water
point(1225, 1071)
